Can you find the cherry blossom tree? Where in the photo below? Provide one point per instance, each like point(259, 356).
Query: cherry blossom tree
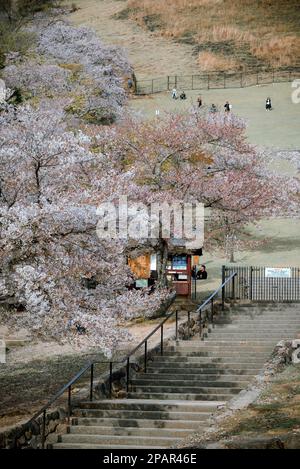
point(205, 158)
point(70, 284)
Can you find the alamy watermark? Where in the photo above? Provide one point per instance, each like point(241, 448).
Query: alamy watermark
point(296, 92)
point(178, 221)
point(2, 351)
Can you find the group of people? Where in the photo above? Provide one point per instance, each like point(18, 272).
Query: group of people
point(213, 107)
point(182, 95)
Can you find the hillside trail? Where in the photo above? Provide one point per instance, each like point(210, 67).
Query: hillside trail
point(151, 55)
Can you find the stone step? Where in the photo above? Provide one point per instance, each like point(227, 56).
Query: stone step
point(177, 355)
point(208, 360)
point(255, 327)
point(204, 372)
point(191, 377)
point(119, 440)
point(211, 339)
point(131, 431)
point(249, 335)
point(145, 415)
point(145, 405)
point(201, 367)
point(207, 348)
point(189, 396)
point(167, 389)
point(143, 423)
point(201, 382)
point(100, 446)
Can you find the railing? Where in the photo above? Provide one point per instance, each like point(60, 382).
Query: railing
point(144, 343)
point(217, 80)
point(257, 283)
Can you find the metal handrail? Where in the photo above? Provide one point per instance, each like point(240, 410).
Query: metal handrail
point(90, 365)
point(213, 295)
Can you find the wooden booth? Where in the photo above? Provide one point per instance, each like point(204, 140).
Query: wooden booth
point(179, 270)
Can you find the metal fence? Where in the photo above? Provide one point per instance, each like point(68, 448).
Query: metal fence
point(264, 283)
point(216, 80)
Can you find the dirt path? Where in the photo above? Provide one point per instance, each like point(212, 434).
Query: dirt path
point(150, 55)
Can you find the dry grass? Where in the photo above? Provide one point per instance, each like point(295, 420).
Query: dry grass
point(257, 32)
point(211, 61)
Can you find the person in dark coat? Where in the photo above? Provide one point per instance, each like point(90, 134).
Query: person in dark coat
point(202, 274)
point(268, 104)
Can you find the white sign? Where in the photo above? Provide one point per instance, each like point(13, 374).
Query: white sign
point(274, 272)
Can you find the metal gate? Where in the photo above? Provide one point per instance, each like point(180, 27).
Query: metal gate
point(269, 284)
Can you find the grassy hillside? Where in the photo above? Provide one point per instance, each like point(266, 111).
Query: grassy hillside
point(226, 34)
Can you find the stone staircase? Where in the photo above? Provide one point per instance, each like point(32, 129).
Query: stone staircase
point(182, 388)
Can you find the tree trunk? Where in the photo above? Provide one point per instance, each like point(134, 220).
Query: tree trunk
point(162, 258)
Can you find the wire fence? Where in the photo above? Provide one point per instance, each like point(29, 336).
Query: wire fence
point(216, 80)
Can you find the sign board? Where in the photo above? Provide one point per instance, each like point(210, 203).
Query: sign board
point(141, 283)
point(274, 272)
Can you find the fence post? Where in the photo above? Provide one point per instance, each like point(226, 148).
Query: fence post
point(223, 287)
point(152, 87)
point(176, 324)
point(127, 374)
point(212, 312)
point(200, 321)
point(257, 78)
point(44, 429)
point(162, 339)
point(92, 382)
point(110, 378)
point(168, 81)
point(176, 81)
point(192, 82)
point(233, 288)
point(251, 283)
point(208, 82)
point(242, 80)
point(69, 402)
point(145, 358)
point(224, 80)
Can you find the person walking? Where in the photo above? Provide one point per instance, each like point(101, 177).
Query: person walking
point(174, 93)
point(199, 101)
point(268, 104)
point(227, 106)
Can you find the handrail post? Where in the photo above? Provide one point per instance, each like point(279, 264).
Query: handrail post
point(176, 324)
point(44, 429)
point(145, 358)
point(69, 402)
point(92, 382)
point(233, 287)
point(200, 320)
point(110, 379)
point(189, 326)
point(162, 339)
point(127, 374)
point(223, 287)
